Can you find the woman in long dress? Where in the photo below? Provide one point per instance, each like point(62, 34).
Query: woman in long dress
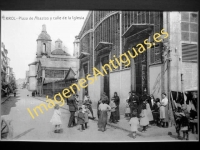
point(102, 121)
point(164, 111)
point(98, 111)
point(117, 102)
point(149, 113)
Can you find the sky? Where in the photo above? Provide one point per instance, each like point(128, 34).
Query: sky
point(20, 34)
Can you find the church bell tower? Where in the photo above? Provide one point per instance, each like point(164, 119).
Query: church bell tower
point(43, 44)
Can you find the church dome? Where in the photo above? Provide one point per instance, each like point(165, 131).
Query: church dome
point(59, 52)
point(44, 35)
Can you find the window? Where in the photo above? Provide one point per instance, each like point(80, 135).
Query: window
point(44, 48)
point(155, 54)
point(189, 26)
point(189, 52)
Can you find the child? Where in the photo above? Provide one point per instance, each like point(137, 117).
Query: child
point(56, 119)
point(144, 118)
point(149, 113)
point(127, 111)
point(193, 120)
point(81, 119)
point(134, 122)
point(86, 112)
point(158, 104)
point(113, 111)
point(182, 123)
point(155, 112)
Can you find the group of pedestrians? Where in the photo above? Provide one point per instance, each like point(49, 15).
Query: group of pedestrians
point(79, 112)
point(141, 111)
point(145, 111)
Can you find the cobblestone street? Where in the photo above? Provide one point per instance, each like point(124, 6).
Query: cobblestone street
point(40, 128)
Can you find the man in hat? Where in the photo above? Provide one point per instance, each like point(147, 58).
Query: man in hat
point(133, 102)
point(72, 108)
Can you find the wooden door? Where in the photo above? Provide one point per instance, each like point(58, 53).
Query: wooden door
point(106, 84)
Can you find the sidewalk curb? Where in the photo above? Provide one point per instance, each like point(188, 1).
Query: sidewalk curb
point(5, 99)
point(117, 127)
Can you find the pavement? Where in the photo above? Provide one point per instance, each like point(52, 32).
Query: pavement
point(123, 124)
point(3, 99)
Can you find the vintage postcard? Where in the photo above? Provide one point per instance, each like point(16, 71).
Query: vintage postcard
point(99, 76)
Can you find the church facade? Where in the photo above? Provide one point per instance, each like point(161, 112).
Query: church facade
point(50, 65)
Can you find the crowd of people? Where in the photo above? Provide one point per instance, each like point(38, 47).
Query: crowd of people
point(142, 111)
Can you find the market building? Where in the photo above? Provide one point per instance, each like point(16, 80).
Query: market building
point(52, 64)
point(169, 65)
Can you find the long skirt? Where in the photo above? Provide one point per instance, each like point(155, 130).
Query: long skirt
point(108, 116)
point(117, 113)
point(155, 116)
point(149, 113)
point(102, 121)
point(166, 114)
point(86, 117)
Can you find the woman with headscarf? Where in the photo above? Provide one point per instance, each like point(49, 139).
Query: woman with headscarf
point(117, 102)
point(98, 111)
point(103, 97)
point(102, 121)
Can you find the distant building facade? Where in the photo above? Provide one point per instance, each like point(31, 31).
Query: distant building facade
point(170, 65)
point(6, 72)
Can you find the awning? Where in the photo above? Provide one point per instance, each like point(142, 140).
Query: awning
point(194, 89)
point(137, 28)
point(103, 45)
point(83, 54)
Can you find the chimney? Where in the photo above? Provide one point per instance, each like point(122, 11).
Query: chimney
point(44, 28)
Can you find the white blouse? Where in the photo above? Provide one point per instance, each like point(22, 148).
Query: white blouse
point(104, 107)
point(164, 101)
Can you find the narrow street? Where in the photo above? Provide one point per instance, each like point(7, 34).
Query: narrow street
point(40, 128)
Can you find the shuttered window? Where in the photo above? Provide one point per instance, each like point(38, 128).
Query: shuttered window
point(189, 52)
point(155, 54)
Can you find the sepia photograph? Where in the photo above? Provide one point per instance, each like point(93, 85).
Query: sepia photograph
point(99, 76)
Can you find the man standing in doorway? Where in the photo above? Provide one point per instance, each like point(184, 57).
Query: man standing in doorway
point(133, 102)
